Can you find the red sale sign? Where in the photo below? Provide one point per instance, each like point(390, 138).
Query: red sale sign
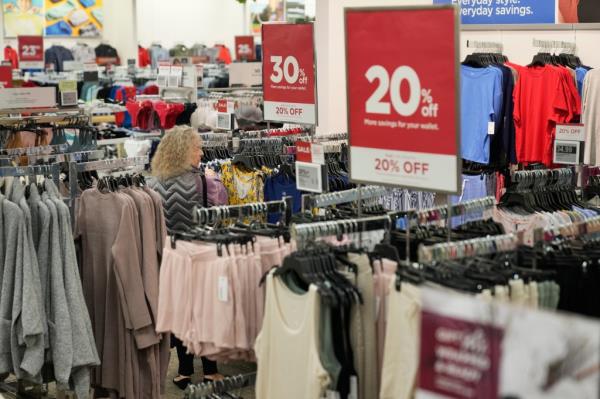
point(303, 151)
point(289, 78)
point(403, 104)
point(225, 106)
point(31, 52)
point(244, 48)
point(5, 76)
point(445, 344)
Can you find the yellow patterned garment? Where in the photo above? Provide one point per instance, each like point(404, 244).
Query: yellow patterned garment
point(243, 186)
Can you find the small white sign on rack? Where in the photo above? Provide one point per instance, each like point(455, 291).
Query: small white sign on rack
point(225, 114)
point(164, 71)
point(68, 93)
point(571, 132)
point(567, 152)
point(309, 177)
point(245, 74)
point(175, 76)
point(69, 66)
point(31, 97)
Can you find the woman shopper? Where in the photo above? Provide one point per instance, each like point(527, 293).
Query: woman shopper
point(182, 186)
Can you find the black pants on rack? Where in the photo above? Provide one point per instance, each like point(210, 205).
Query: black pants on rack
point(186, 360)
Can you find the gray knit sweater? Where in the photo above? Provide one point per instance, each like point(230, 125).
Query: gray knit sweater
point(179, 195)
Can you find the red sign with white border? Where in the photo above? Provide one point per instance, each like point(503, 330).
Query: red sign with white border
point(244, 48)
point(31, 52)
point(403, 108)
point(289, 77)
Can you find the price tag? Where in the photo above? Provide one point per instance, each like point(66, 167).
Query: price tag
point(175, 76)
point(90, 67)
point(491, 128)
point(223, 289)
point(164, 71)
point(90, 72)
point(68, 93)
point(311, 177)
point(572, 132)
point(567, 152)
point(131, 64)
point(289, 76)
point(318, 153)
point(199, 76)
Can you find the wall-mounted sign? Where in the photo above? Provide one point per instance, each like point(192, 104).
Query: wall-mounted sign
point(526, 12)
point(31, 52)
point(244, 48)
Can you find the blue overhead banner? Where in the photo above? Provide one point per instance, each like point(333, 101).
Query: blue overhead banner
point(526, 12)
point(505, 12)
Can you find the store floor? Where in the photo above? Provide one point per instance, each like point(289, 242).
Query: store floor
point(173, 392)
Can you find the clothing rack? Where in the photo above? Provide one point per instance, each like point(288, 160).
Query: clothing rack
point(308, 232)
point(496, 46)
point(469, 248)
point(105, 164)
point(59, 148)
point(70, 116)
point(342, 197)
point(273, 132)
point(33, 170)
point(461, 209)
point(571, 230)
point(254, 89)
point(215, 214)
point(554, 44)
point(332, 137)
point(543, 178)
point(229, 384)
point(214, 139)
point(443, 212)
point(110, 164)
point(76, 156)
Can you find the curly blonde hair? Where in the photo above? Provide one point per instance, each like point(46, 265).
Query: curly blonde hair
point(174, 152)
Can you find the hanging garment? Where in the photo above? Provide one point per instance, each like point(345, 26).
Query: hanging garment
point(289, 332)
point(143, 57)
point(591, 117)
point(362, 329)
point(401, 354)
point(119, 285)
point(49, 322)
point(222, 320)
point(544, 96)
point(10, 54)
